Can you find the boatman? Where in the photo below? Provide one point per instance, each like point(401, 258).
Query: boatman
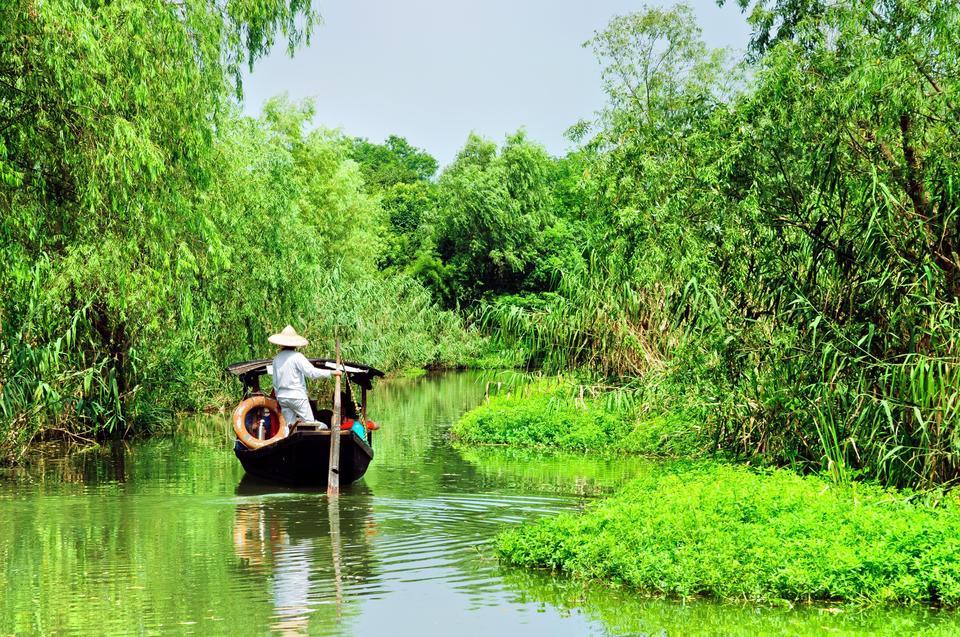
point(290, 371)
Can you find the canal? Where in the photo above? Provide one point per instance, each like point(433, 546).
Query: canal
point(167, 536)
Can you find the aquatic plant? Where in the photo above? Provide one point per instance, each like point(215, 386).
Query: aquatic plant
point(554, 414)
point(733, 533)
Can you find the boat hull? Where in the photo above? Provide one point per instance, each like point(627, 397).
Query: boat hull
point(303, 458)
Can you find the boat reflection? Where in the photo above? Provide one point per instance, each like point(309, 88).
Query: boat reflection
point(300, 548)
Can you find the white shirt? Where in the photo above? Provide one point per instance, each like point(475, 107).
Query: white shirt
point(290, 371)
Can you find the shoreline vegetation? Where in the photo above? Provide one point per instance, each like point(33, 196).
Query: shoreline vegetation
point(732, 533)
point(685, 528)
point(548, 414)
point(770, 244)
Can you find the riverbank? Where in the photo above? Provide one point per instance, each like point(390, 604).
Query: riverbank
point(547, 416)
point(711, 529)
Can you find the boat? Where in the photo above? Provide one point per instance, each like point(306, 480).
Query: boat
point(302, 456)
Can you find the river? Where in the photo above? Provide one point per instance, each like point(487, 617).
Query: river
point(166, 536)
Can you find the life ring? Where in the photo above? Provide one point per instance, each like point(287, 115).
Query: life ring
point(244, 419)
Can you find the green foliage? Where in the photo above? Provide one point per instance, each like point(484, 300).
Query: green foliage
point(496, 230)
point(401, 175)
point(657, 69)
point(551, 415)
point(498, 221)
point(393, 162)
point(618, 310)
point(774, 21)
point(858, 217)
point(109, 112)
point(390, 321)
point(731, 533)
point(151, 235)
point(496, 355)
point(408, 208)
point(789, 246)
point(541, 420)
point(674, 434)
point(771, 250)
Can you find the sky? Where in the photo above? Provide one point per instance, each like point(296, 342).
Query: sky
point(435, 70)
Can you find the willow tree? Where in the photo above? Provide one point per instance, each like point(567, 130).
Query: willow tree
point(108, 114)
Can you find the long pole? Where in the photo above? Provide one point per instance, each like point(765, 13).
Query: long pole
point(333, 478)
point(333, 512)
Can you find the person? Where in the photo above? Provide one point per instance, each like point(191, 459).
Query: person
point(290, 371)
point(347, 406)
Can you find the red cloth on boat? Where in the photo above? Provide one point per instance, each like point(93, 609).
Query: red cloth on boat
point(349, 422)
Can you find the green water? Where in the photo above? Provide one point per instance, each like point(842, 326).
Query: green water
point(165, 536)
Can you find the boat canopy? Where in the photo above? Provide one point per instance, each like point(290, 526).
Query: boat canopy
point(250, 371)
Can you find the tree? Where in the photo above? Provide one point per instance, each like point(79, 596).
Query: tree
point(840, 174)
point(393, 162)
point(495, 217)
point(108, 112)
point(402, 177)
point(775, 21)
point(790, 249)
point(657, 68)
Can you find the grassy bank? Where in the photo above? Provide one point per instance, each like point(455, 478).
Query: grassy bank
point(731, 533)
point(549, 415)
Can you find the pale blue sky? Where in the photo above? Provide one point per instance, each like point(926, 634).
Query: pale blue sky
point(435, 70)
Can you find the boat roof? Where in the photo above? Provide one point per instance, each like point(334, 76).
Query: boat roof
point(361, 374)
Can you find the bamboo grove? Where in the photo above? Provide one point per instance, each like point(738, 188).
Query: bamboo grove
point(769, 244)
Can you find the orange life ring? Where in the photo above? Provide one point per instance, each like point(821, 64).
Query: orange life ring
point(242, 421)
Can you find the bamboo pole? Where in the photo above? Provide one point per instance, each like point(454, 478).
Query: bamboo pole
point(333, 513)
point(333, 477)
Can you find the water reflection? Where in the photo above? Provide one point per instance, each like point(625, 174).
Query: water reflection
point(263, 544)
point(627, 613)
point(300, 548)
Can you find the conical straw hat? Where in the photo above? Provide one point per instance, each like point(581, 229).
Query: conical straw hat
point(288, 338)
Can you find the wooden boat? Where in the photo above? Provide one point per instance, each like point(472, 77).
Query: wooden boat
point(303, 456)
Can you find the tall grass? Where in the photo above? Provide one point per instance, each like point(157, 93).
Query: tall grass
point(597, 319)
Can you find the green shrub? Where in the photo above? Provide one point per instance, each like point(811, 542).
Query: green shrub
point(542, 420)
point(731, 533)
point(552, 417)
